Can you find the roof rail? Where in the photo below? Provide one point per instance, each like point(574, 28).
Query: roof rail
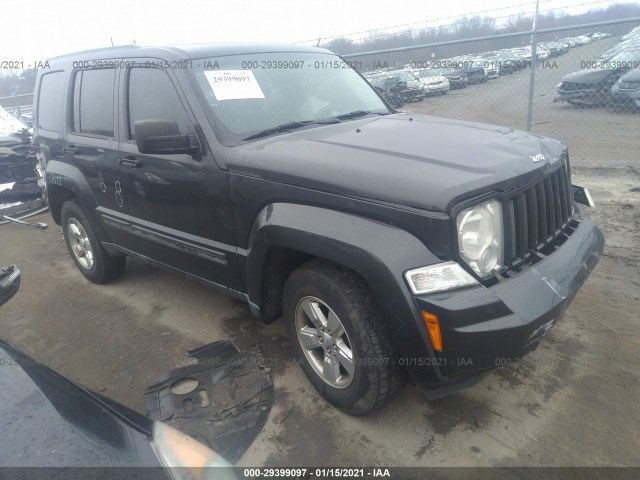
point(95, 50)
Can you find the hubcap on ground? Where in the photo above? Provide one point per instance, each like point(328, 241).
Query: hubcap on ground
point(80, 244)
point(324, 342)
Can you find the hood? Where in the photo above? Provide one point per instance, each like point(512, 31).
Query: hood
point(588, 76)
point(413, 160)
point(434, 80)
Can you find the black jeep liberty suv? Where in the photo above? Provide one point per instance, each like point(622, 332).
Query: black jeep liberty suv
point(393, 245)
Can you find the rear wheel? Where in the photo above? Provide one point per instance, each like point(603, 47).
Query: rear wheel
point(88, 254)
point(339, 336)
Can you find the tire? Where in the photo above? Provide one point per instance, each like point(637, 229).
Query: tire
point(84, 247)
point(373, 378)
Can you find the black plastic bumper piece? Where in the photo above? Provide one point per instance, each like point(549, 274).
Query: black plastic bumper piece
point(454, 387)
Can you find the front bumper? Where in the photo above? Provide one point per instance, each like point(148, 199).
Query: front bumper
point(413, 94)
point(436, 88)
point(621, 97)
point(458, 82)
point(485, 327)
point(587, 96)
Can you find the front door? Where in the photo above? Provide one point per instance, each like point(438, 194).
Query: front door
point(166, 192)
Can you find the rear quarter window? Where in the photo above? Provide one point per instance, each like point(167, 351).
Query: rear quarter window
point(49, 108)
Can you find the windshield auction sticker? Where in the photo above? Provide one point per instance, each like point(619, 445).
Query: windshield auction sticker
point(234, 84)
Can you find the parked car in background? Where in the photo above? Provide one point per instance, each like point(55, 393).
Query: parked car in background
point(593, 86)
point(632, 34)
point(522, 58)
point(457, 78)
point(582, 40)
point(387, 87)
point(433, 81)
point(524, 53)
point(626, 91)
point(555, 48)
point(474, 72)
point(491, 67)
point(542, 53)
point(627, 45)
point(501, 62)
point(572, 42)
point(400, 83)
point(414, 90)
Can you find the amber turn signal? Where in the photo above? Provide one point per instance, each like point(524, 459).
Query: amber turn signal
point(433, 327)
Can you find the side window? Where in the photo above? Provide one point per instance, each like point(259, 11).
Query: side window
point(50, 97)
point(153, 96)
point(93, 102)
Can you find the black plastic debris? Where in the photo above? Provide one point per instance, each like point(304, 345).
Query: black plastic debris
point(223, 399)
point(9, 282)
point(22, 187)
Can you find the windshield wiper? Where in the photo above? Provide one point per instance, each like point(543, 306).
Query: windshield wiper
point(284, 128)
point(358, 113)
point(289, 126)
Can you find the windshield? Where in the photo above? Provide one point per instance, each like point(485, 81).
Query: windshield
point(405, 76)
point(249, 95)
point(628, 56)
point(623, 60)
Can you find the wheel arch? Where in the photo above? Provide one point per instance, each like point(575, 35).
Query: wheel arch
point(377, 252)
point(66, 182)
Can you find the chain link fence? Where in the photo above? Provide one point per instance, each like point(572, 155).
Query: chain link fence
point(580, 84)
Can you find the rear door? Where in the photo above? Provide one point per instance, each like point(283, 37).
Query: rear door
point(92, 147)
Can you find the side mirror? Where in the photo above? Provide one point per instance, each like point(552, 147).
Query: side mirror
point(9, 282)
point(162, 137)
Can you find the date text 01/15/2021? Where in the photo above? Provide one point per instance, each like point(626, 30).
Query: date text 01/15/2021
point(325, 472)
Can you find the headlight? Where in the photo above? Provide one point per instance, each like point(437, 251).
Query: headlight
point(480, 237)
point(187, 458)
point(441, 276)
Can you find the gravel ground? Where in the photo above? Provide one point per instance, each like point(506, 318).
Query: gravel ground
point(573, 402)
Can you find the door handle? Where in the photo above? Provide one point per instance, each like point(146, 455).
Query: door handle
point(130, 161)
point(72, 149)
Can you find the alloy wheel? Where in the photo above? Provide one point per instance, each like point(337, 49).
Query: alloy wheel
point(80, 244)
point(325, 342)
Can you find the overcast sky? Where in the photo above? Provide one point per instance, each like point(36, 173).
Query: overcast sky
point(37, 29)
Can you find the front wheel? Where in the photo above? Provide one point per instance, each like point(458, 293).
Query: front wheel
point(340, 338)
point(88, 254)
